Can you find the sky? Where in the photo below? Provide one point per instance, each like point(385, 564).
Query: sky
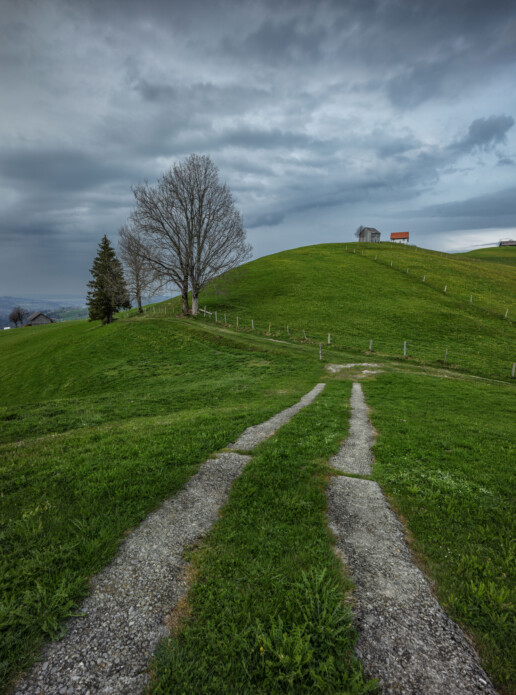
point(321, 116)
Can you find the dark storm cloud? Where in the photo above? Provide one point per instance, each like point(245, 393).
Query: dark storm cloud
point(491, 208)
point(484, 134)
point(58, 170)
point(312, 110)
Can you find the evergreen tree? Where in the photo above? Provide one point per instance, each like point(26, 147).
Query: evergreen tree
point(108, 292)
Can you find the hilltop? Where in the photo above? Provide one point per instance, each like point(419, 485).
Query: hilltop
point(500, 254)
point(100, 424)
point(352, 292)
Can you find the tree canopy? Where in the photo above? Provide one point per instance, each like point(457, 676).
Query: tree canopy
point(141, 277)
point(18, 315)
point(190, 229)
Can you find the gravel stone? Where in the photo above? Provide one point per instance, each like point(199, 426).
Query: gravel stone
point(108, 649)
point(257, 434)
point(355, 454)
point(336, 368)
point(405, 639)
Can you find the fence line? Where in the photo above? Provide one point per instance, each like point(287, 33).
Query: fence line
point(492, 312)
point(402, 351)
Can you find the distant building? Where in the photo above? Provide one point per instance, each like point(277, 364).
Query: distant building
point(369, 234)
point(38, 319)
point(400, 237)
point(508, 242)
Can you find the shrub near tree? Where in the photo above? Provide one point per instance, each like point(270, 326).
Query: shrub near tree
point(108, 292)
point(142, 279)
point(18, 315)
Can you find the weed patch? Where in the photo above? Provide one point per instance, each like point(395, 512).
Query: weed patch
point(268, 608)
point(445, 455)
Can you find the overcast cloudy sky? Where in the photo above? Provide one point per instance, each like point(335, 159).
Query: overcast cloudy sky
point(321, 115)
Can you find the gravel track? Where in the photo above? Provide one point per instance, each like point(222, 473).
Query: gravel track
point(257, 434)
point(405, 639)
point(108, 649)
point(355, 454)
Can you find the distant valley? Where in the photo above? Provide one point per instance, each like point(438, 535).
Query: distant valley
point(61, 309)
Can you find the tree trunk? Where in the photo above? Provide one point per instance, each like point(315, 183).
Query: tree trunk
point(195, 303)
point(139, 300)
point(184, 296)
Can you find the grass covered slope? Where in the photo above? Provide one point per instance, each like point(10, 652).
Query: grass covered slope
point(445, 455)
point(99, 424)
point(500, 254)
point(267, 611)
point(329, 289)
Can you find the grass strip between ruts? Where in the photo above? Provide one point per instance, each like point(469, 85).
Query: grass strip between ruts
point(268, 606)
point(92, 464)
point(445, 455)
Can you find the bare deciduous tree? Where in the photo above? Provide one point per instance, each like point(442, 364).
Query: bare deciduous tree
point(359, 231)
point(165, 240)
point(218, 234)
point(18, 315)
point(142, 279)
point(190, 227)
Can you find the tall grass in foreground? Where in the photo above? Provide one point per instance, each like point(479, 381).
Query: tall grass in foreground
point(106, 425)
point(268, 611)
point(446, 455)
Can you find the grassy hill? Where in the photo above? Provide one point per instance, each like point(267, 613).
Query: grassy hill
point(99, 424)
point(352, 292)
point(499, 254)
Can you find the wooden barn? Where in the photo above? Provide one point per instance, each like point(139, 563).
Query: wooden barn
point(400, 237)
point(38, 319)
point(369, 234)
point(508, 242)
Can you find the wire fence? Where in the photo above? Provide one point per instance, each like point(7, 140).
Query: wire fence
point(351, 340)
point(467, 298)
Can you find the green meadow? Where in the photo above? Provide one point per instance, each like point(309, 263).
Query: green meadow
point(99, 424)
point(500, 254)
point(445, 456)
point(334, 289)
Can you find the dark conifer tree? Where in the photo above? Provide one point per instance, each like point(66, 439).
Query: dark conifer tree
point(108, 292)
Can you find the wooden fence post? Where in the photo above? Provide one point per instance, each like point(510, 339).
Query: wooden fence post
point(320, 355)
point(370, 346)
point(445, 355)
point(445, 288)
point(375, 258)
point(391, 264)
point(404, 348)
point(225, 320)
point(304, 333)
point(471, 299)
point(407, 271)
point(329, 339)
point(424, 278)
point(513, 369)
point(252, 324)
point(506, 312)
point(237, 322)
point(288, 331)
point(216, 319)
point(269, 331)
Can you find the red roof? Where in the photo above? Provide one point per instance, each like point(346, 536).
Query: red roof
point(399, 235)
